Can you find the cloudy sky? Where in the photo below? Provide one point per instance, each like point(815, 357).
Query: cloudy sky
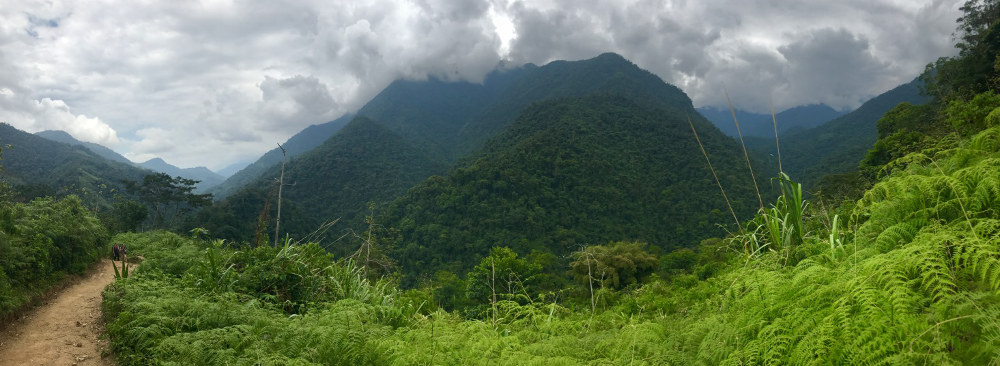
point(213, 83)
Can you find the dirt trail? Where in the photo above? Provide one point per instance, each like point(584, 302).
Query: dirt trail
point(65, 330)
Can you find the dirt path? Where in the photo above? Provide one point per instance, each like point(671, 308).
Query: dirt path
point(65, 330)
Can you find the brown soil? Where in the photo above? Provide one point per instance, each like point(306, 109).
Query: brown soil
point(65, 330)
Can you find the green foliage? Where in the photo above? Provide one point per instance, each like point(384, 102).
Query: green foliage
point(197, 301)
point(365, 162)
point(500, 276)
point(836, 146)
point(40, 243)
point(778, 228)
point(42, 167)
point(167, 198)
point(569, 172)
point(969, 117)
point(616, 265)
point(974, 70)
point(910, 277)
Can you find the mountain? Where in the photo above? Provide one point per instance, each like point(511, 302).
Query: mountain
point(762, 125)
point(450, 120)
point(446, 124)
point(299, 143)
point(231, 169)
point(573, 172)
point(839, 145)
point(453, 119)
point(38, 166)
point(203, 175)
point(206, 177)
point(100, 150)
point(363, 162)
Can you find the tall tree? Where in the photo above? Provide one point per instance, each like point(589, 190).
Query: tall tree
point(168, 198)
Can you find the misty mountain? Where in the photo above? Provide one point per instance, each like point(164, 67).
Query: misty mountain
point(762, 125)
point(427, 126)
point(206, 178)
point(299, 143)
point(231, 169)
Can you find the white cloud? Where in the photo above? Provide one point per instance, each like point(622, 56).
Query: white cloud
point(211, 82)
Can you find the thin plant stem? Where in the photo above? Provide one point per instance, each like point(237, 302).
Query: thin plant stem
point(716, 176)
point(774, 121)
point(745, 154)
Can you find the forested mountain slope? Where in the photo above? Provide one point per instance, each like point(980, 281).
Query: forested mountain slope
point(838, 145)
point(299, 143)
point(206, 178)
point(572, 172)
point(100, 150)
point(38, 166)
point(443, 123)
point(364, 162)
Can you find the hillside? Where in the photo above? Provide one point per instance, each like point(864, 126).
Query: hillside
point(207, 178)
point(100, 150)
point(37, 166)
point(299, 143)
point(838, 145)
point(364, 162)
point(572, 172)
point(762, 125)
point(446, 124)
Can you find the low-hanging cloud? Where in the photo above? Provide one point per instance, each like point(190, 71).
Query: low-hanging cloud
point(209, 83)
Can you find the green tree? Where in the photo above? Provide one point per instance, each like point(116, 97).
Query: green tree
point(168, 198)
point(500, 276)
point(126, 215)
point(616, 265)
point(975, 69)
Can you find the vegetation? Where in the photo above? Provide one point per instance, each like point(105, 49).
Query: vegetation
point(41, 242)
point(909, 277)
point(364, 162)
point(37, 167)
point(569, 173)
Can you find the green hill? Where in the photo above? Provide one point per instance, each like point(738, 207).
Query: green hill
point(306, 140)
point(37, 166)
point(442, 123)
point(838, 145)
point(361, 163)
point(572, 172)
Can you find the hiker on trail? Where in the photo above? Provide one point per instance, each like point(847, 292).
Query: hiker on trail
point(116, 252)
point(122, 252)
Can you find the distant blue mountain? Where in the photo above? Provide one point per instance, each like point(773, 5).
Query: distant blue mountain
point(761, 125)
point(207, 178)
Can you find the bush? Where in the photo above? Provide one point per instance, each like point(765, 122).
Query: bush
point(41, 242)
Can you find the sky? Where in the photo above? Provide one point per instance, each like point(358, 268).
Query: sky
point(213, 83)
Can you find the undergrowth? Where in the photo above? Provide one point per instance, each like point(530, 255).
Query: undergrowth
point(909, 275)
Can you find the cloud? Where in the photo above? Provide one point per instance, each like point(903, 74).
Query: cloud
point(299, 98)
point(209, 82)
point(46, 114)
